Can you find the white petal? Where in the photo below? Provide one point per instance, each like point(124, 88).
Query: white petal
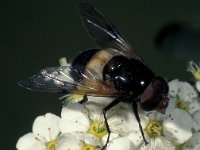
point(194, 105)
point(74, 117)
point(121, 119)
point(95, 110)
point(119, 143)
point(171, 105)
point(46, 127)
point(158, 144)
point(147, 116)
point(197, 147)
point(198, 85)
point(194, 142)
point(136, 138)
point(95, 106)
point(183, 89)
point(196, 118)
point(112, 136)
point(187, 92)
point(87, 138)
point(173, 87)
point(121, 109)
point(69, 142)
point(100, 102)
point(177, 127)
point(30, 142)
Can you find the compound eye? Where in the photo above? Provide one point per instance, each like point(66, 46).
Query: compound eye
point(150, 99)
point(154, 96)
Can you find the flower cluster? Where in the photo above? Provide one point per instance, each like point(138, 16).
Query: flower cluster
point(82, 126)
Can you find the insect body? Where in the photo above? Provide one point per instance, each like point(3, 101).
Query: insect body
point(114, 70)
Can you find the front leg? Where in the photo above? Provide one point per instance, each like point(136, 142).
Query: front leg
point(135, 110)
point(105, 109)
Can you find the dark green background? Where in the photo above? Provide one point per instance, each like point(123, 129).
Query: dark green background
point(34, 34)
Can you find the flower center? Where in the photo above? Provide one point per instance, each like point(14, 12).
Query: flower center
point(181, 104)
point(154, 128)
point(52, 145)
point(88, 147)
point(97, 128)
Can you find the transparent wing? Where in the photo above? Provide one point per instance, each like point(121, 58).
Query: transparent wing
point(103, 31)
point(60, 80)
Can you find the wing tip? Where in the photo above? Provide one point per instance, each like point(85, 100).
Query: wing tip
point(24, 83)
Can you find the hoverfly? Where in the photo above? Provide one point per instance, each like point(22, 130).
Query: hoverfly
point(114, 70)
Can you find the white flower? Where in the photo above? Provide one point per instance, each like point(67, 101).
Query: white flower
point(163, 132)
point(193, 143)
point(46, 136)
point(89, 119)
point(198, 85)
point(185, 97)
point(182, 96)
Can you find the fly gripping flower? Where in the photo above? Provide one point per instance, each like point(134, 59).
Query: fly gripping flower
point(163, 132)
point(88, 119)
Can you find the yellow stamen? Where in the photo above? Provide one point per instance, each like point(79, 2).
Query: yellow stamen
point(154, 128)
point(97, 128)
point(194, 69)
point(52, 145)
point(72, 98)
point(77, 97)
point(181, 104)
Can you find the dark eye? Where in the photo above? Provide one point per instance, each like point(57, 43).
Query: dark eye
point(150, 101)
point(152, 96)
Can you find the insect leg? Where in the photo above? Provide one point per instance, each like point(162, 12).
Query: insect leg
point(85, 99)
point(105, 109)
point(135, 110)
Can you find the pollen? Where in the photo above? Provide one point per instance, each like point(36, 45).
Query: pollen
point(88, 147)
point(97, 128)
point(154, 128)
point(194, 69)
point(72, 98)
point(52, 145)
point(77, 97)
